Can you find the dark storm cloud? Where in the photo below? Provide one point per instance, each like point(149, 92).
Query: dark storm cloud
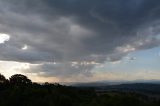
point(77, 30)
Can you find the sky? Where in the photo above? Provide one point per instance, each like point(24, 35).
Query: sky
point(80, 40)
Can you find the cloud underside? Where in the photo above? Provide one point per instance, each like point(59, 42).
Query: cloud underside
point(70, 37)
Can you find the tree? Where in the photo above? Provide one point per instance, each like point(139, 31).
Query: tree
point(19, 79)
point(2, 79)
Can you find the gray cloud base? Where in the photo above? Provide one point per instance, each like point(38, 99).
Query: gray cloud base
point(75, 30)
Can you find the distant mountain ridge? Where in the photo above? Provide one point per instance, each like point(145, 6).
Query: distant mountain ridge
point(111, 82)
point(149, 88)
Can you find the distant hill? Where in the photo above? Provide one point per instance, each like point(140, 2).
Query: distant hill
point(110, 82)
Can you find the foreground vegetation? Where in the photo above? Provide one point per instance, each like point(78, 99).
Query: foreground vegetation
point(20, 91)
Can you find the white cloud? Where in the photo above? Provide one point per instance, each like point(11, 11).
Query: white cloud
point(25, 47)
point(4, 37)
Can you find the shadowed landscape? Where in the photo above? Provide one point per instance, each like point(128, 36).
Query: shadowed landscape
point(21, 91)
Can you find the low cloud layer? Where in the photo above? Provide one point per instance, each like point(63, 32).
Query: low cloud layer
point(81, 31)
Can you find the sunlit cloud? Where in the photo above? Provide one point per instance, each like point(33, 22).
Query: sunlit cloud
point(9, 68)
point(4, 37)
point(125, 49)
point(25, 47)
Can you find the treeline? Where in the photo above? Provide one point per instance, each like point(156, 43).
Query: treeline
point(18, 90)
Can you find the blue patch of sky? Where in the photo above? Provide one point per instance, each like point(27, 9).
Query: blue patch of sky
point(148, 60)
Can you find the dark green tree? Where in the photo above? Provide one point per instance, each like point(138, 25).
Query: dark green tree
point(19, 79)
point(2, 79)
